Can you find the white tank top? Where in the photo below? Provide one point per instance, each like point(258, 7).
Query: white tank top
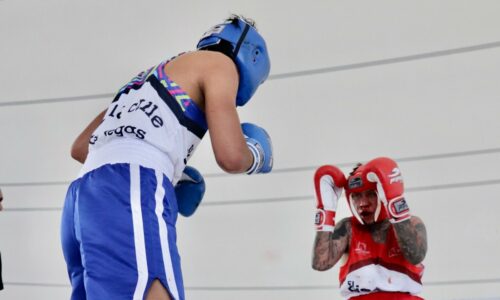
point(151, 122)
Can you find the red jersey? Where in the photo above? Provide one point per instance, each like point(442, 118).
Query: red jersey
point(378, 270)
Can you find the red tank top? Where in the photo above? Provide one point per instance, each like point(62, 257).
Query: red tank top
point(373, 268)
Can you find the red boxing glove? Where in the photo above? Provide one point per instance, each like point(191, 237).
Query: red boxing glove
point(386, 174)
point(329, 181)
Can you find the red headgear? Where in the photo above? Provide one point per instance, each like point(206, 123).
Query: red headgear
point(357, 182)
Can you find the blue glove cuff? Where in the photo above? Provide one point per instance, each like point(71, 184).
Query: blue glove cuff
point(257, 156)
point(259, 144)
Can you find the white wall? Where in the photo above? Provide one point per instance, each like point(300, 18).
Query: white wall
point(350, 81)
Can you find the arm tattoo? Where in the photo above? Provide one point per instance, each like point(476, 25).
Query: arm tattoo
point(322, 251)
point(340, 231)
point(412, 239)
point(329, 247)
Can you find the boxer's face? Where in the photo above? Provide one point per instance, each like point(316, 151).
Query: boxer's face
point(365, 204)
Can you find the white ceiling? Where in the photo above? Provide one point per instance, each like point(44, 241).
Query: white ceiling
point(350, 81)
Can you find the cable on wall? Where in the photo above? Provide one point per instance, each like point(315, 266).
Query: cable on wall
point(293, 198)
point(367, 64)
point(296, 169)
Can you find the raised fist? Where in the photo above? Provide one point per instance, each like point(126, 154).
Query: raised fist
point(329, 182)
point(386, 174)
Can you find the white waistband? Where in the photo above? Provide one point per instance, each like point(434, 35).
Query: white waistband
point(128, 151)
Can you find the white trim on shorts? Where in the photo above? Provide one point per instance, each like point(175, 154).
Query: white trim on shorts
point(165, 249)
point(140, 245)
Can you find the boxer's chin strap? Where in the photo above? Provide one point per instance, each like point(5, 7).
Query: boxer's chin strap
point(378, 209)
point(358, 217)
point(354, 211)
point(241, 39)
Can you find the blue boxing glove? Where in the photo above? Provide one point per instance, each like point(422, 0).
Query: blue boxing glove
point(259, 143)
point(189, 191)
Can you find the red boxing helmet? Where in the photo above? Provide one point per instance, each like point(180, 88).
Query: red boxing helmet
point(356, 183)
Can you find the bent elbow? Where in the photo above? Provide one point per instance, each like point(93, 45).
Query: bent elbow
point(78, 153)
point(78, 157)
point(320, 268)
point(232, 163)
point(416, 259)
point(321, 265)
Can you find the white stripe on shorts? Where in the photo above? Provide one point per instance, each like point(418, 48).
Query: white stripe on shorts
point(140, 246)
point(165, 250)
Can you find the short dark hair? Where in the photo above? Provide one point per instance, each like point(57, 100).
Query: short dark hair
point(224, 46)
point(235, 17)
point(355, 168)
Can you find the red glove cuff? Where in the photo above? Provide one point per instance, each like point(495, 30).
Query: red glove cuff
point(398, 210)
point(325, 220)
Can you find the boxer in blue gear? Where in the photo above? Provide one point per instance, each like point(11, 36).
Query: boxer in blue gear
point(118, 224)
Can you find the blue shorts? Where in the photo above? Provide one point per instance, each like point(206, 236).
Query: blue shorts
point(118, 234)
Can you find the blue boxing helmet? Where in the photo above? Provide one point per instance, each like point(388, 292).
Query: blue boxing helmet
point(248, 51)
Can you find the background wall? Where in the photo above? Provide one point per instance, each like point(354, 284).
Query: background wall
point(350, 81)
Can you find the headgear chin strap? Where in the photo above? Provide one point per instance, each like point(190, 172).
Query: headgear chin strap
point(249, 53)
point(357, 183)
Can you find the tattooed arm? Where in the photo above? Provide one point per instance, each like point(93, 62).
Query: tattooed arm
point(412, 239)
point(329, 247)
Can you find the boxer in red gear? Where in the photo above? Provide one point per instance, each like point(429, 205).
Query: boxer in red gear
point(383, 244)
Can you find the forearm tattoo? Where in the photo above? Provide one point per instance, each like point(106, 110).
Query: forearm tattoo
point(412, 239)
point(322, 251)
point(329, 247)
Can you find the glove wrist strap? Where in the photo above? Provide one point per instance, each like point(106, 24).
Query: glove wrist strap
point(325, 220)
point(257, 159)
point(398, 210)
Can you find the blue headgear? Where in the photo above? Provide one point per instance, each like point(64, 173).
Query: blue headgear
point(249, 54)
